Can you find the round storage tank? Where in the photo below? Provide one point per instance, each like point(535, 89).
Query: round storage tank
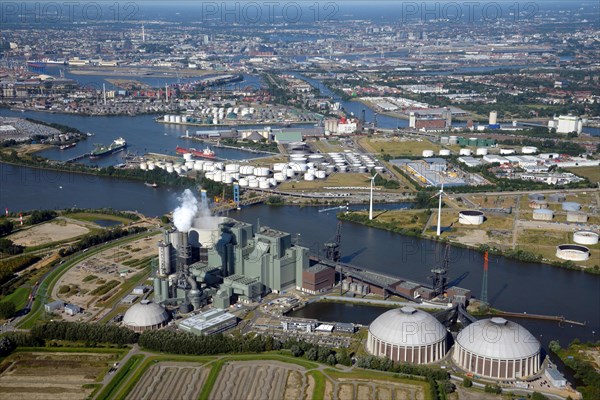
point(253, 184)
point(444, 139)
point(279, 177)
point(261, 171)
point(247, 170)
point(481, 151)
point(320, 175)
point(498, 349)
point(264, 184)
point(143, 166)
point(187, 156)
point(535, 196)
point(243, 182)
point(543, 214)
point(471, 217)
point(507, 151)
point(529, 150)
point(278, 167)
point(571, 206)
point(427, 153)
point(145, 315)
point(444, 152)
point(464, 152)
point(309, 177)
point(557, 198)
point(538, 204)
point(586, 237)
point(572, 252)
point(577, 217)
point(170, 169)
point(151, 166)
point(407, 335)
point(453, 140)
point(232, 168)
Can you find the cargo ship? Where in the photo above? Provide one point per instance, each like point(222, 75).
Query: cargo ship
point(68, 146)
point(206, 153)
point(116, 146)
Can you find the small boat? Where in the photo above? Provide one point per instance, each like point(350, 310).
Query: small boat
point(152, 185)
point(68, 146)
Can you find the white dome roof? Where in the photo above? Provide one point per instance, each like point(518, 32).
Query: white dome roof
point(498, 338)
point(407, 326)
point(145, 314)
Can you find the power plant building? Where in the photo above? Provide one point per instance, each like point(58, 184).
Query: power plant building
point(226, 260)
point(407, 335)
point(317, 278)
point(209, 322)
point(498, 349)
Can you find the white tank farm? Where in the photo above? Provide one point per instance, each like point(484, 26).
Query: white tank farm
point(471, 217)
point(166, 118)
point(264, 184)
point(453, 140)
point(320, 175)
point(444, 152)
point(247, 170)
point(261, 171)
point(143, 166)
point(219, 165)
point(578, 217)
point(253, 184)
point(572, 252)
point(507, 151)
point(273, 182)
point(586, 237)
point(481, 151)
point(210, 175)
point(309, 177)
point(189, 164)
point(197, 166)
point(227, 178)
point(208, 166)
point(218, 176)
point(151, 166)
point(278, 167)
point(427, 153)
point(170, 168)
point(464, 152)
point(243, 182)
point(279, 177)
point(362, 169)
point(232, 168)
point(187, 156)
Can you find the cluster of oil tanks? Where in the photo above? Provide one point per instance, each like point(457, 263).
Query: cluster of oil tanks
point(210, 115)
point(355, 287)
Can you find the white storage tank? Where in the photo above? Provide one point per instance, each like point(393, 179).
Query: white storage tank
point(166, 118)
point(219, 165)
point(464, 152)
point(198, 166)
point(309, 177)
point(471, 217)
point(529, 150)
point(232, 168)
point(264, 184)
point(261, 171)
point(453, 140)
point(178, 119)
point(170, 169)
point(571, 206)
point(143, 166)
point(481, 151)
point(218, 176)
point(543, 214)
point(247, 170)
point(507, 151)
point(227, 178)
point(278, 167)
point(187, 156)
point(427, 153)
point(444, 152)
point(253, 183)
point(572, 252)
point(586, 237)
point(189, 165)
point(320, 175)
point(279, 177)
point(151, 166)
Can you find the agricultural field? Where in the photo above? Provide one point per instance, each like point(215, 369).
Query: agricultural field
point(333, 180)
point(370, 386)
point(262, 380)
point(396, 147)
point(175, 380)
point(592, 173)
point(48, 232)
point(52, 375)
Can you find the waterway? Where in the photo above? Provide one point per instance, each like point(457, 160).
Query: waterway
point(141, 132)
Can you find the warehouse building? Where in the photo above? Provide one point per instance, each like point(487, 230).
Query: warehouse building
point(208, 323)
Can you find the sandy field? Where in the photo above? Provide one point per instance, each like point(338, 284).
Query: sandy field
point(49, 376)
point(170, 380)
point(48, 232)
point(350, 389)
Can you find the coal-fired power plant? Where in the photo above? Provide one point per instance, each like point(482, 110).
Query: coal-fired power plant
point(206, 257)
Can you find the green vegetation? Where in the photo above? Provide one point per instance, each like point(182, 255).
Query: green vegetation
point(275, 200)
point(89, 278)
point(116, 381)
point(98, 238)
point(213, 375)
point(262, 145)
point(409, 223)
point(7, 309)
point(580, 358)
point(15, 264)
point(6, 226)
point(105, 288)
point(8, 247)
point(591, 173)
point(77, 331)
point(39, 216)
point(319, 390)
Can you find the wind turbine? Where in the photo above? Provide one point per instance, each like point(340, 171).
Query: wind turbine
point(439, 221)
point(371, 198)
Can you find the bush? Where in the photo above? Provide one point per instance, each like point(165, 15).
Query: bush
point(7, 309)
point(467, 382)
point(489, 388)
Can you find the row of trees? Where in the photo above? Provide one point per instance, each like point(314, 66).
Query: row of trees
point(8, 247)
point(39, 216)
point(77, 331)
point(98, 238)
point(313, 352)
point(6, 226)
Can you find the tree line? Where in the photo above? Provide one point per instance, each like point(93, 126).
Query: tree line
point(98, 238)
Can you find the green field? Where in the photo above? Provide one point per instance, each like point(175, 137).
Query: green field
point(592, 173)
point(333, 180)
point(394, 148)
point(92, 217)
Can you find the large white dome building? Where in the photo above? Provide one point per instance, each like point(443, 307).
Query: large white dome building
point(407, 335)
point(498, 349)
point(145, 315)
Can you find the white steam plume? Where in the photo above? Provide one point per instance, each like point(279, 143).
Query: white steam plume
point(184, 215)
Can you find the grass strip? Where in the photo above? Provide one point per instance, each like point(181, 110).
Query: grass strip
point(115, 382)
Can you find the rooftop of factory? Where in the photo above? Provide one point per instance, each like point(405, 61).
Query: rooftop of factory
point(202, 321)
point(266, 231)
point(240, 279)
point(316, 268)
